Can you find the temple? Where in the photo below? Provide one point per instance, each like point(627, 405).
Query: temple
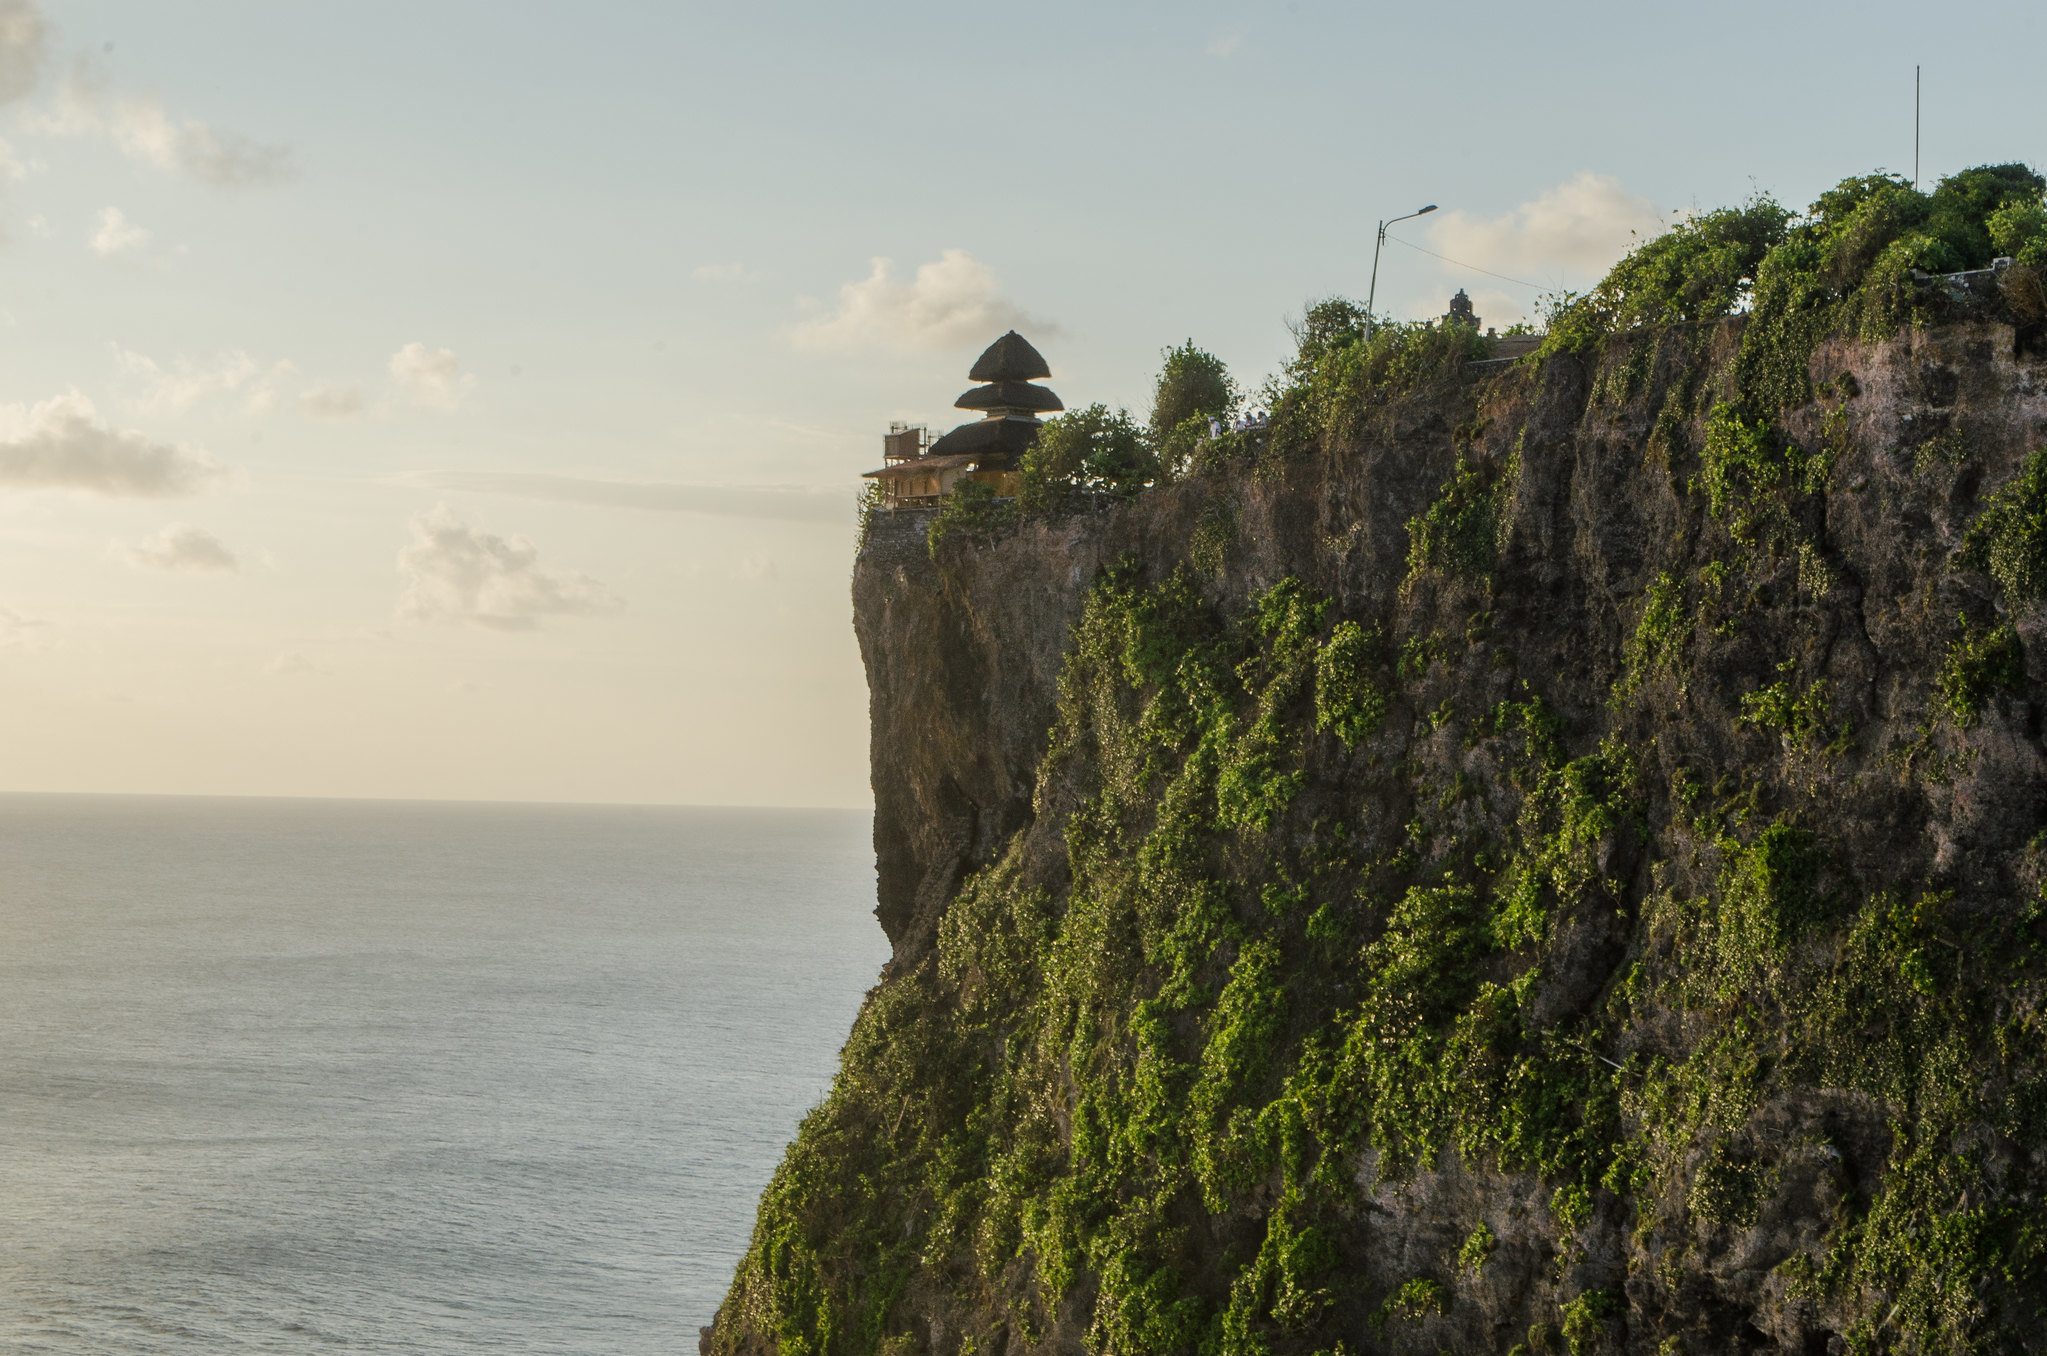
point(1460, 312)
point(988, 449)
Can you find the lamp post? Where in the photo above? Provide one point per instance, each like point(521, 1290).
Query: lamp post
point(1371, 322)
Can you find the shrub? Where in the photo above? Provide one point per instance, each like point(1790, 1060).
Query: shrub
point(2008, 539)
point(1341, 370)
point(866, 505)
point(1846, 268)
point(1416, 1298)
point(1348, 703)
point(1462, 532)
point(1585, 1319)
point(1964, 205)
point(2018, 231)
point(972, 513)
point(1979, 663)
point(1799, 714)
point(1189, 446)
point(1748, 473)
point(1477, 1249)
point(1326, 327)
point(1658, 635)
point(1702, 268)
point(1208, 546)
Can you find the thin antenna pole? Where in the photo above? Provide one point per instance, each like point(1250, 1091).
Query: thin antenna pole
point(1915, 127)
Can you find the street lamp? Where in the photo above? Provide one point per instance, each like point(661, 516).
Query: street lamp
point(1370, 321)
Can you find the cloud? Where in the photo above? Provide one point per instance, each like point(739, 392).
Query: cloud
point(291, 664)
point(754, 568)
point(1571, 233)
point(62, 444)
point(179, 547)
point(452, 572)
point(24, 39)
point(951, 302)
point(332, 401)
point(143, 130)
point(431, 377)
point(792, 503)
point(117, 234)
point(178, 387)
point(22, 633)
point(1224, 45)
point(726, 273)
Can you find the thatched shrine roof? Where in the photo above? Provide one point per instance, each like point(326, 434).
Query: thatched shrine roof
point(1009, 395)
point(987, 439)
point(1010, 358)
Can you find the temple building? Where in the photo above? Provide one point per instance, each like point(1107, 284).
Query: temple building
point(987, 449)
point(1460, 311)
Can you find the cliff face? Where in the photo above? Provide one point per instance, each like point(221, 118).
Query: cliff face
point(1553, 865)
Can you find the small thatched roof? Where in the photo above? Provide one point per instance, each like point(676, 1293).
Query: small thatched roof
point(993, 442)
point(1010, 358)
point(1009, 395)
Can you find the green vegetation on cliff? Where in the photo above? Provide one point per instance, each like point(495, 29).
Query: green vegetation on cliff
point(1564, 877)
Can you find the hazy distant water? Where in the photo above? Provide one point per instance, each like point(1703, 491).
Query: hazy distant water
point(315, 1076)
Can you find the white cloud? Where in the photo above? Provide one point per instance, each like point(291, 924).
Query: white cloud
point(753, 568)
point(143, 130)
point(24, 38)
point(1568, 235)
point(1224, 45)
point(22, 633)
point(292, 664)
point(452, 572)
point(795, 503)
point(179, 547)
point(177, 387)
point(952, 301)
point(62, 444)
point(333, 401)
point(726, 273)
point(431, 377)
point(116, 234)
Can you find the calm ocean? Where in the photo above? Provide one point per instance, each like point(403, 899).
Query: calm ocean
point(299, 1076)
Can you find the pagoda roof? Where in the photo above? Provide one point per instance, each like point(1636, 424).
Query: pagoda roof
point(1009, 395)
point(1010, 358)
point(990, 440)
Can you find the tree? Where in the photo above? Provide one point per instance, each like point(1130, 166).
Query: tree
point(1963, 204)
point(1193, 388)
point(1089, 449)
point(1192, 384)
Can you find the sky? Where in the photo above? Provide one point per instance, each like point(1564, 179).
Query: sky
point(454, 399)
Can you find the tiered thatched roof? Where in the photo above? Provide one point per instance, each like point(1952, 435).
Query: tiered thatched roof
point(1014, 395)
point(1009, 400)
point(1010, 358)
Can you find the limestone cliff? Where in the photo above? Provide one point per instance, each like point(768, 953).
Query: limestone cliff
point(1551, 862)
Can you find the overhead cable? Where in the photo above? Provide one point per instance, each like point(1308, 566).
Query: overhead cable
point(1518, 282)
